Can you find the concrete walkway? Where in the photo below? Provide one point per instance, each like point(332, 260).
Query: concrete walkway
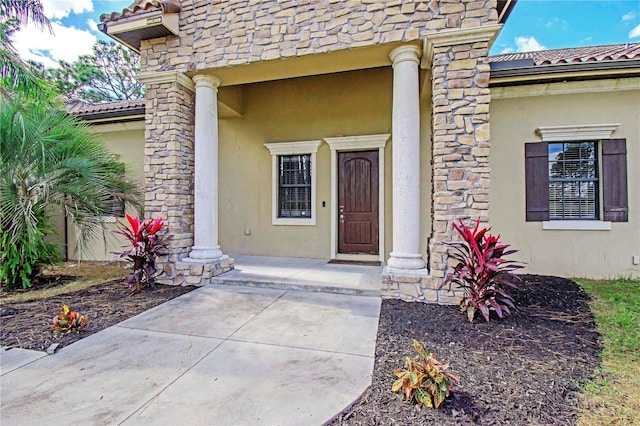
point(217, 355)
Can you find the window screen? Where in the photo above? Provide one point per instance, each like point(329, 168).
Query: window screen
point(573, 180)
point(115, 207)
point(294, 186)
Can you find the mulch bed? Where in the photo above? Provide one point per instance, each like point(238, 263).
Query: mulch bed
point(28, 324)
point(525, 369)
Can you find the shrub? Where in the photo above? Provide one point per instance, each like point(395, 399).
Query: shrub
point(482, 272)
point(21, 257)
point(49, 159)
point(69, 321)
point(147, 244)
point(424, 380)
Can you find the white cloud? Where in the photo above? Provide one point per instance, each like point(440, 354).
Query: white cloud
point(557, 22)
point(67, 43)
point(506, 50)
point(528, 44)
point(93, 26)
point(57, 9)
point(635, 32)
point(629, 16)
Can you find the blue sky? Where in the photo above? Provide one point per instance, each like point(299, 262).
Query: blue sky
point(553, 24)
point(533, 25)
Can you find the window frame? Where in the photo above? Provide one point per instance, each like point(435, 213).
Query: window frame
point(596, 181)
point(602, 135)
point(282, 187)
point(281, 149)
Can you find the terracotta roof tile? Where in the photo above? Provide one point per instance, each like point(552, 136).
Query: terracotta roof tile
point(139, 7)
point(81, 108)
point(613, 52)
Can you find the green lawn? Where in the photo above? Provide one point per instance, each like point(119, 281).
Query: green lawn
point(613, 397)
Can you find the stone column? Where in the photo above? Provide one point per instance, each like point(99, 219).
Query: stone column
point(205, 238)
point(461, 143)
point(405, 254)
point(168, 162)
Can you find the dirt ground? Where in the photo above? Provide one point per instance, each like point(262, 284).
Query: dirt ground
point(26, 315)
point(525, 369)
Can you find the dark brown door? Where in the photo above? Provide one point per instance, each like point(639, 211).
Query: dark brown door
point(358, 202)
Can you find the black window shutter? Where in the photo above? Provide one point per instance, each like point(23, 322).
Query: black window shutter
point(536, 165)
point(614, 180)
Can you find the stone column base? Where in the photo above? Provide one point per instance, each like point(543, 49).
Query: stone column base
point(193, 272)
point(417, 287)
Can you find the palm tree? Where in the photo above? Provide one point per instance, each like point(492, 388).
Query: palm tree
point(14, 73)
point(49, 158)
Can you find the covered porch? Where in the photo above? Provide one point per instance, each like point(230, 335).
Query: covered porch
point(250, 149)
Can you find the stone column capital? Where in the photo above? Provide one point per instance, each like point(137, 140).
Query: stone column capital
point(161, 77)
point(405, 53)
point(456, 37)
point(206, 80)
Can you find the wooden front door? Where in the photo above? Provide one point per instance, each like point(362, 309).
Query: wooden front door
point(358, 202)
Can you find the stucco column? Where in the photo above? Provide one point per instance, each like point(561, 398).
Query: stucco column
point(405, 252)
point(205, 235)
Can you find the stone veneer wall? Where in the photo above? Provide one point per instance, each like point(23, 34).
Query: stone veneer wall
point(461, 172)
point(225, 33)
point(168, 168)
point(460, 150)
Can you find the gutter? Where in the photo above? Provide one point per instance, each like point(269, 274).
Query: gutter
point(133, 114)
point(518, 72)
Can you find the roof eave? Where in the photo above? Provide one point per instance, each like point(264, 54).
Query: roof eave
point(122, 115)
point(565, 72)
point(505, 11)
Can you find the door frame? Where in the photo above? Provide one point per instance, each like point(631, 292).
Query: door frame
point(349, 144)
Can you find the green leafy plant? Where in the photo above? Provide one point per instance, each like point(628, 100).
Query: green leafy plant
point(147, 243)
point(21, 258)
point(424, 380)
point(47, 159)
point(69, 321)
point(482, 272)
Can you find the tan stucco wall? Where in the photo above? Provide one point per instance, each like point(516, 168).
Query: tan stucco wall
point(564, 253)
point(127, 141)
point(312, 108)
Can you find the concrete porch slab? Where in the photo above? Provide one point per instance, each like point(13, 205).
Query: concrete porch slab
point(289, 273)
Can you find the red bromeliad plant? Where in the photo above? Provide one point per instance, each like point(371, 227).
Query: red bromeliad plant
point(482, 271)
point(147, 243)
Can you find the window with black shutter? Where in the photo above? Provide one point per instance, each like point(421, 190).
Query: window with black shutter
point(563, 180)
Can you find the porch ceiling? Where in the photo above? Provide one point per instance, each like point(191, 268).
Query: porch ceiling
point(308, 65)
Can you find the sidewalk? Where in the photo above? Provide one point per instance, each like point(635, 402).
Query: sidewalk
point(217, 355)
